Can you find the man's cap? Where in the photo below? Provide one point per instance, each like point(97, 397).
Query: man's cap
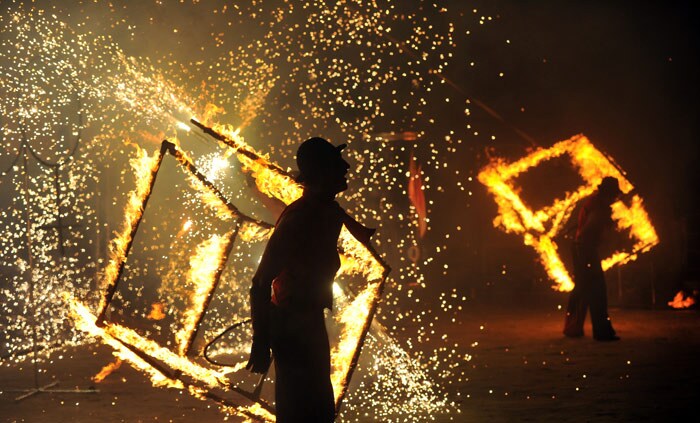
point(610, 185)
point(313, 154)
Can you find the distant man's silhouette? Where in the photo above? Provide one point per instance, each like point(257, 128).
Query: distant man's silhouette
point(293, 284)
point(594, 220)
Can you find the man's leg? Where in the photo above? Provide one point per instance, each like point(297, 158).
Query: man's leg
point(578, 299)
point(303, 390)
point(602, 327)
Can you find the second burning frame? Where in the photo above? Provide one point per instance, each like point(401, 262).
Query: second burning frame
point(539, 227)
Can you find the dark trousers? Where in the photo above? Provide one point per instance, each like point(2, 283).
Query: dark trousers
point(303, 390)
point(589, 292)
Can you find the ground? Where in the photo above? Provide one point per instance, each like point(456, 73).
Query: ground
point(522, 369)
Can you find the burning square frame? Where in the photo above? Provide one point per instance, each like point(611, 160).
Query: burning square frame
point(148, 355)
point(540, 227)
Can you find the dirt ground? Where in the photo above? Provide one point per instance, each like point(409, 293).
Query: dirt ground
point(522, 370)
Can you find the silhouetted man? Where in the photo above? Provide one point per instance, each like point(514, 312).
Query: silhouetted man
point(293, 284)
point(594, 221)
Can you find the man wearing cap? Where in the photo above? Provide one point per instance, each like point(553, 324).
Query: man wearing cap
point(294, 283)
point(594, 221)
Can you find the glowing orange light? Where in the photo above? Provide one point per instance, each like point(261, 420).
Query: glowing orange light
point(539, 227)
point(157, 312)
point(680, 301)
point(107, 370)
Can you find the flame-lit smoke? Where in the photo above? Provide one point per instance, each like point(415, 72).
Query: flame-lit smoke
point(541, 226)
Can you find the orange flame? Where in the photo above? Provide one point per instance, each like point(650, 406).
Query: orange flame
point(540, 227)
point(209, 256)
point(107, 370)
point(113, 333)
point(679, 301)
point(352, 319)
point(157, 312)
point(253, 232)
point(144, 167)
point(85, 321)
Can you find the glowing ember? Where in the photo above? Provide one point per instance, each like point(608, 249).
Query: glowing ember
point(540, 227)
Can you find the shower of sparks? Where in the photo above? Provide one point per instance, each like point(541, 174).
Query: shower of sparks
point(279, 72)
point(540, 227)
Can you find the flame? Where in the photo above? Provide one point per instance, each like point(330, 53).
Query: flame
point(145, 168)
point(209, 257)
point(353, 319)
point(114, 334)
point(254, 232)
point(107, 370)
point(540, 227)
point(85, 321)
point(679, 302)
point(636, 220)
point(157, 312)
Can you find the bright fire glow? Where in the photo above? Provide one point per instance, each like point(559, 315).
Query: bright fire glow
point(538, 228)
point(144, 167)
point(681, 301)
point(157, 312)
point(207, 260)
point(107, 370)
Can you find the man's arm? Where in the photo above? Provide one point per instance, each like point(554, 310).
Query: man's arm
point(274, 260)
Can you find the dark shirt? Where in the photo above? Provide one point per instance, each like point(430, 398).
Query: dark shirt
point(301, 258)
point(594, 220)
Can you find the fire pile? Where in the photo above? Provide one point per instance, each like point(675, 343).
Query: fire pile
point(540, 227)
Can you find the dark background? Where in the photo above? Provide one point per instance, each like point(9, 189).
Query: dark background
point(625, 75)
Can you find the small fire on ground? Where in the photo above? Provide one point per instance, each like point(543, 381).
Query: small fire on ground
point(681, 301)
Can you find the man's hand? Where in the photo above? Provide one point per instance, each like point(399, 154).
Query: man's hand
point(260, 357)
